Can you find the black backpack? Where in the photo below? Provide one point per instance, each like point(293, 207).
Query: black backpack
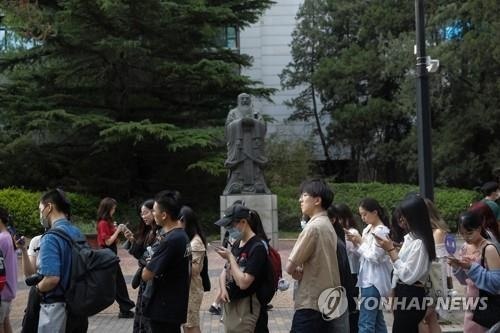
point(92, 286)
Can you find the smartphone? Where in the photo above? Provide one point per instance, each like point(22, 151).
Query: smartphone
point(217, 247)
point(17, 237)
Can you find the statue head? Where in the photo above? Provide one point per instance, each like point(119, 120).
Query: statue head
point(245, 103)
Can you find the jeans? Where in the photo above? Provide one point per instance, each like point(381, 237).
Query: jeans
point(371, 318)
point(308, 320)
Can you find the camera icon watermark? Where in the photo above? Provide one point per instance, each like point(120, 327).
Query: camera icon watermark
point(332, 303)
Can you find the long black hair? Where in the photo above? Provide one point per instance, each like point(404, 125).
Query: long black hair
point(191, 224)
point(372, 205)
point(472, 220)
point(414, 210)
point(335, 215)
point(397, 232)
point(146, 233)
point(256, 225)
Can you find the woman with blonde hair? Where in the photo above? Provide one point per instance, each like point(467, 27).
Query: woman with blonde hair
point(439, 272)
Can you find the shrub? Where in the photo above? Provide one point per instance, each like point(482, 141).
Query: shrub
point(449, 201)
point(289, 161)
point(23, 207)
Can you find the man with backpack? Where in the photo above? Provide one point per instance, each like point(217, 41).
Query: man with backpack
point(313, 261)
point(55, 266)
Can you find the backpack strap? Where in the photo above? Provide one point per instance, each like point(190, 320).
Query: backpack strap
point(483, 252)
point(62, 234)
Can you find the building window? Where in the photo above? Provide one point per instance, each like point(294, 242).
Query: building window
point(228, 38)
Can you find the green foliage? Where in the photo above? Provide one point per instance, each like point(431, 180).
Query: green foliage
point(23, 207)
point(307, 48)
point(357, 57)
point(449, 201)
point(111, 88)
point(288, 161)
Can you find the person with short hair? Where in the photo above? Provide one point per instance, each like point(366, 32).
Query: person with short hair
point(313, 261)
point(10, 265)
point(491, 191)
point(169, 268)
point(55, 266)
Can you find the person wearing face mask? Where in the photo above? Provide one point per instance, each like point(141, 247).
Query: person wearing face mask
point(55, 266)
point(244, 271)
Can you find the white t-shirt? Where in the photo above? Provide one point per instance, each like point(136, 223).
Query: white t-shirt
point(34, 247)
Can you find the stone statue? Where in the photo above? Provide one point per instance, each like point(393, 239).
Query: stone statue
point(245, 133)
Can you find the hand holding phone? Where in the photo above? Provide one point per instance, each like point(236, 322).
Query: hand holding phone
point(377, 236)
point(217, 247)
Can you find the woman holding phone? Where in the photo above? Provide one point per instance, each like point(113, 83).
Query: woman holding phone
point(467, 267)
point(374, 277)
point(107, 237)
point(411, 264)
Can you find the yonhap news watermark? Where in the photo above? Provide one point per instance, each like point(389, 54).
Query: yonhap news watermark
point(333, 303)
point(415, 303)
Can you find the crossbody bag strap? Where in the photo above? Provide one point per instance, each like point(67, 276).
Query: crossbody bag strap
point(483, 252)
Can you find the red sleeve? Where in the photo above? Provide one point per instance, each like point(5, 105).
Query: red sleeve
point(104, 231)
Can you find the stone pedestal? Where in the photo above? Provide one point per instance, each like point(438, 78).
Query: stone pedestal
point(265, 204)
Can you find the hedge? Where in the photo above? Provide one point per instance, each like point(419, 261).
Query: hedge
point(23, 208)
point(449, 201)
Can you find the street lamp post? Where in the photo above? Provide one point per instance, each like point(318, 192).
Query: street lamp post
point(425, 178)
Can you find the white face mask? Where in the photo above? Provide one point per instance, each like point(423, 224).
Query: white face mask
point(44, 221)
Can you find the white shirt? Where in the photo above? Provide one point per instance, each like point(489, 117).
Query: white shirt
point(352, 253)
point(34, 247)
point(375, 265)
point(413, 263)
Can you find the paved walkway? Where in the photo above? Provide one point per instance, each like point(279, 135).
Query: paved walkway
point(107, 321)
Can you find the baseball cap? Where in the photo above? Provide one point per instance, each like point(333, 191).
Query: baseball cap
point(233, 213)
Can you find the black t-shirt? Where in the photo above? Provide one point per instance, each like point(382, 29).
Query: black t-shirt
point(252, 260)
point(171, 263)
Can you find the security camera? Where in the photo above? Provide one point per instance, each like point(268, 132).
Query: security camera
point(431, 64)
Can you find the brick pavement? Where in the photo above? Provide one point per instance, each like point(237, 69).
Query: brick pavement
point(107, 321)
